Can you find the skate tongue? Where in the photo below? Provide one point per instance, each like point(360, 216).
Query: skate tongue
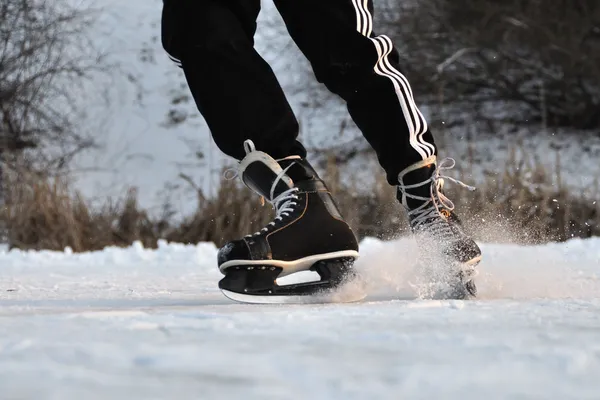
point(259, 171)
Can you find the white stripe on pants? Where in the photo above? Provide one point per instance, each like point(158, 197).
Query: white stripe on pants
point(417, 125)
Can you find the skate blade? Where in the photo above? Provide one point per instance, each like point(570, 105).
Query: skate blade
point(323, 298)
point(461, 287)
point(290, 267)
point(338, 283)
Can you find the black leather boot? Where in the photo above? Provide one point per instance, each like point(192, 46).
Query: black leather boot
point(307, 233)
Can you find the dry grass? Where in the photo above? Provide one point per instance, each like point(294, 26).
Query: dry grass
point(234, 212)
point(45, 214)
point(521, 205)
point(527, 203)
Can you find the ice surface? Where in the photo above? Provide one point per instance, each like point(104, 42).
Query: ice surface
point(137, 323)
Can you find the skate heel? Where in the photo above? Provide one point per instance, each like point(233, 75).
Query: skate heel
point(335, 272)
point(258, 284)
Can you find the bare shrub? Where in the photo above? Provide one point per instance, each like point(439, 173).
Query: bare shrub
point(234, 212)
point(43, 213)
point(45, 56)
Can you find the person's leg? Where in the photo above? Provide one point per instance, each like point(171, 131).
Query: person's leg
point(250, 119)
point(337, 38)
point(234, 88)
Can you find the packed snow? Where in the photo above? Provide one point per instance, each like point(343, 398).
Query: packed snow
point(138, 323)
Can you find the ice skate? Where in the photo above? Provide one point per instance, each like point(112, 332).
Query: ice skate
point(437, 228)
point(307, 234)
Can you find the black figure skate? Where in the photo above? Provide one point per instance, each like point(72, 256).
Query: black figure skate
point(437, 229)
point(307, 234)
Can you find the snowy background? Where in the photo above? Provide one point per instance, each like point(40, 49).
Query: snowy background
point(139, 147)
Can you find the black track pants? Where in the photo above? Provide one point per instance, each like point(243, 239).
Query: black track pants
point(240, 98)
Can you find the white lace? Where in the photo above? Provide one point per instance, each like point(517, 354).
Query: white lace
point(428, 216)
point(282, 204)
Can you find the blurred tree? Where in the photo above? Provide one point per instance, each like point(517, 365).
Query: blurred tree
point(44, 57)
point(540, 57)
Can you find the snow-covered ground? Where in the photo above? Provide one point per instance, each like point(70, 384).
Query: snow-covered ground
point(151, 324)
